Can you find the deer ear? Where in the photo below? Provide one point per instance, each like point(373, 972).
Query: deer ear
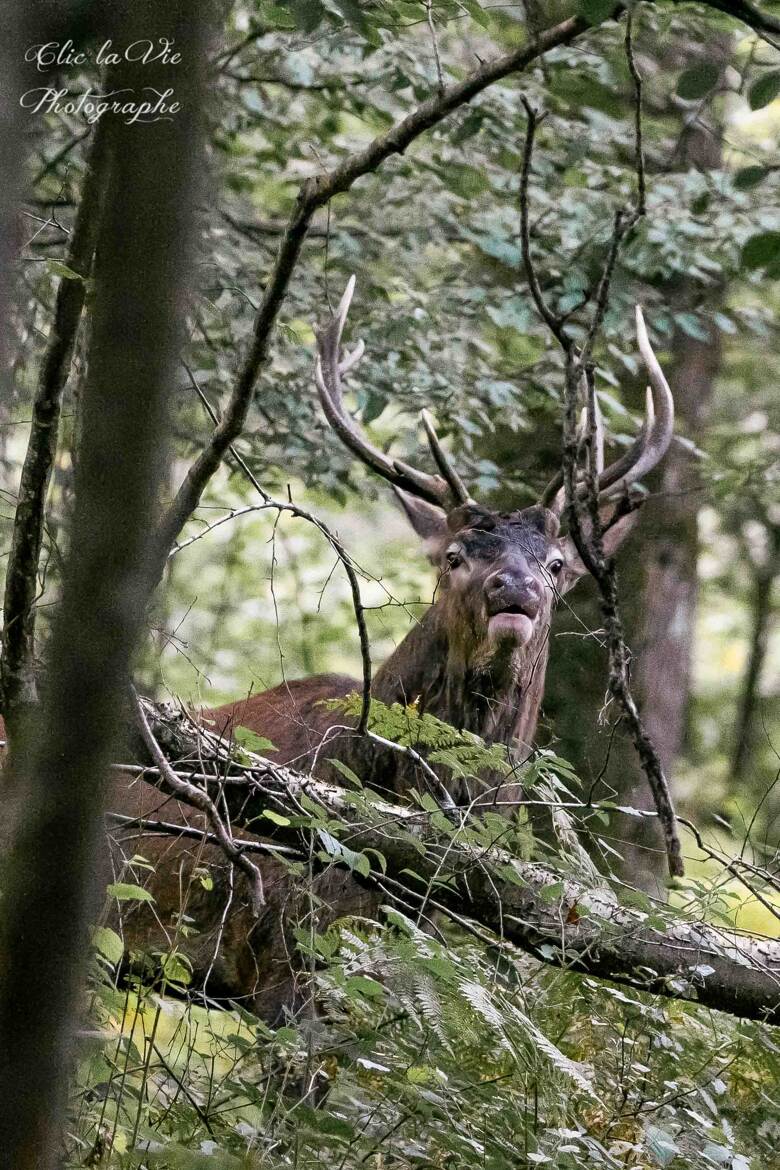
point(428, 521)
point(613, 538)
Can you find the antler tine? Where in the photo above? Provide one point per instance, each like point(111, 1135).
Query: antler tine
point(328, 371)
point(650, 445)
point(599, 436)
point(656, 435)
point(350, 360)
point(455, 483)
point(628, 459)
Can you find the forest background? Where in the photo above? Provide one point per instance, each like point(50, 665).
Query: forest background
point(251, 596)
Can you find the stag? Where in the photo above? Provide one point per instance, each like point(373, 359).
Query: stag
point(477, 660)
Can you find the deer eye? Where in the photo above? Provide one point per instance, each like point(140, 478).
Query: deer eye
point(453, 558)
point(555, 566)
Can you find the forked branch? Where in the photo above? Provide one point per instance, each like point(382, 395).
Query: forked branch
point(582, 495)
point(198, 798)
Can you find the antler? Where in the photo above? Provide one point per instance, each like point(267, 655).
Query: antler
point(650, 445)
point(445, 489)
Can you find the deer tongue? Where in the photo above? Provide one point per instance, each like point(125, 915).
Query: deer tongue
point(511, 625)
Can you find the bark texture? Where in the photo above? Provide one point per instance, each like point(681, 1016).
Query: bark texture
point(17, 675)
point(57, 780)
point(583, 926)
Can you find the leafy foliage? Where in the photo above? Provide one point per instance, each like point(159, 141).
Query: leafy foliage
point(437, 1047)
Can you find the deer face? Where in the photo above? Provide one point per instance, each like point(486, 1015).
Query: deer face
point(500, 573)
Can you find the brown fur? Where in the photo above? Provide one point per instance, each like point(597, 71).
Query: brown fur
point(449, 665)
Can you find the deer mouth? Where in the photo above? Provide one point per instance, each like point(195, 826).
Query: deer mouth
point(511, 623)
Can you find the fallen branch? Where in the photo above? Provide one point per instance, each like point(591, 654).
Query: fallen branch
point(200, 799)
point(554, 916)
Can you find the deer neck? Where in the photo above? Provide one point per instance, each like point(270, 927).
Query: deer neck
point(499, 698)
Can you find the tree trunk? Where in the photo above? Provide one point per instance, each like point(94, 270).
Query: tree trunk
point(57, 774)
point(761, 612)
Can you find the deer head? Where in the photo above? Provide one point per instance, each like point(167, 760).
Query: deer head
point(500, 573)
point(476, 659)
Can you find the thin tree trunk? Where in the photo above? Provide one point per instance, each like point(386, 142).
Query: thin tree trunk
point(670, 556)
point(17, 674)
point(761, 612)
point(58, 773)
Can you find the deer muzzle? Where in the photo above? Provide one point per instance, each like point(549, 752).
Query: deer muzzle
point(514, 602)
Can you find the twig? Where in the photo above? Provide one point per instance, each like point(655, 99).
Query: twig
point(333, 540)
point(553, 323)
point(435, 44)
point(641, 190)
point(733, 866)
point(171, 829)
point(582, 509)
point(202, 801)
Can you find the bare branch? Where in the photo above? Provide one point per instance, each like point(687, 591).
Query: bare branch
point(435, 45)
point(201, 800)
point(333, 540)
point(171, 829)
point(582, 496)
point(553, 322)
point(641, 191)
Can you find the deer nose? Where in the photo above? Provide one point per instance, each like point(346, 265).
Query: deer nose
point(506, 591)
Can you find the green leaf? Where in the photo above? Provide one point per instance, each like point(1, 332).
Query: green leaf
point(176, 968)
point(252, 741)
point(126, 892)
point(662, 1144)
point(57, 268)
point(750, 177)
point(596, 11)
point(346, 772)
point(697, 81)
point(362, 865)
point(761, 250)
point(357, 862)
point(352, 13)
point(365, 986)
point(380, 857)
point(275, 817)
point(765, 90)
point(552, 892)
point(307, 13)
point(692, 325)
point(476, 12)
point(108, 943)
